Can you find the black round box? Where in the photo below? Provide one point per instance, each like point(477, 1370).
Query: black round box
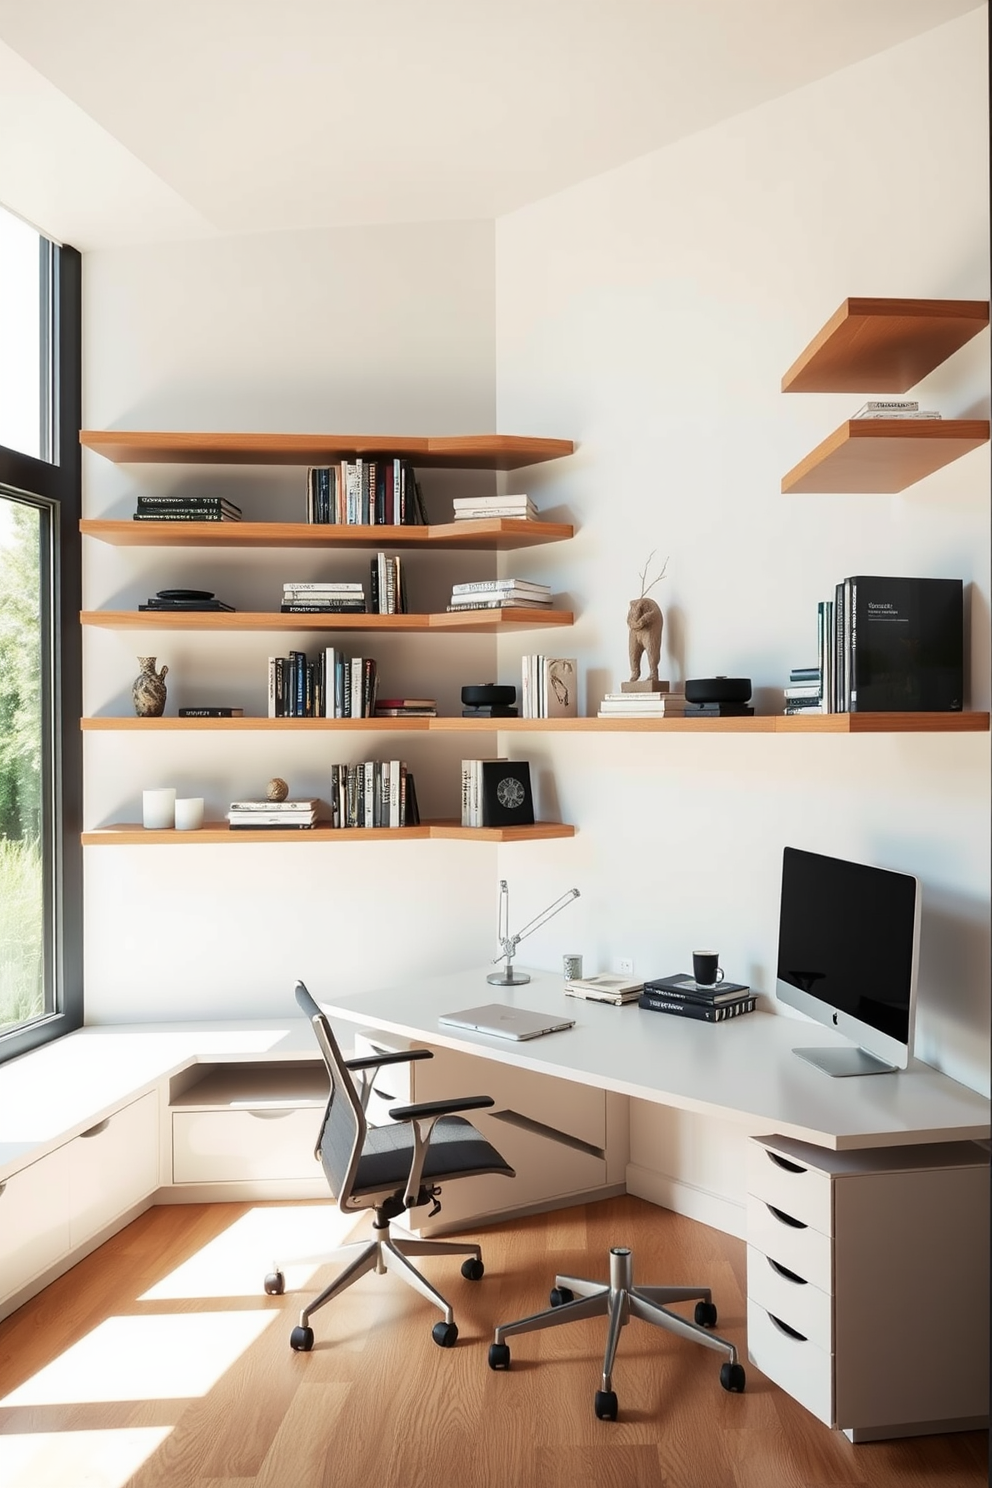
point(488, 695)
point(718, 690)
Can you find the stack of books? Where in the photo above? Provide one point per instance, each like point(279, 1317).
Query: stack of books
point(184, 599)
point(643, 705)
point(186, 509)
point(367, 491)
point(550, 687)
point(406, 708)
point(604, 987)
point(894, 408)
point(253, 816)
point(500, 594)
point(388, 586)
point(373, 793)
point(472, 508)
point(322, 598)
point(684, 997)
point(804, 693)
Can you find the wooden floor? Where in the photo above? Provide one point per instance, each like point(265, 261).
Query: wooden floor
point(158, 1363)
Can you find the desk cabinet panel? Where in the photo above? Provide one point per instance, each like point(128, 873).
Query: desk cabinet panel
point(774, 1232)
point(791, 1298)
point(34, 1220)
point(801, 1367)
point(787, 1184)
point(112, 1166)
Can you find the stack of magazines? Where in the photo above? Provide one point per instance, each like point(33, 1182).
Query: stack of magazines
point(253, 816)
point(186, 509)
point(687, 998)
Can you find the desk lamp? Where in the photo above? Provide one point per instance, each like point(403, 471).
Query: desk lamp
point(508, 943)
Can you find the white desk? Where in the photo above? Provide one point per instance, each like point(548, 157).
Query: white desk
point(742, 1071)
point(867, 1205)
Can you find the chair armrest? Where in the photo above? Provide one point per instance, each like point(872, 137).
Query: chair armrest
point(441, 1107)
point(401, 1056)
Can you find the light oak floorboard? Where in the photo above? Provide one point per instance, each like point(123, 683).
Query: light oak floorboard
point(376, 1401)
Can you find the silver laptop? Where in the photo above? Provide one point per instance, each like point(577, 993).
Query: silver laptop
point(506, 1022)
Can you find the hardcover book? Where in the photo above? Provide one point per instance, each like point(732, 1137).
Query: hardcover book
point(906, 640)
point(211, 712)
point(707, 1012)
point(506, 794)
point(687, 989)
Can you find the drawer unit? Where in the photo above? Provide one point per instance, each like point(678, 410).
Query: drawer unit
point(791, 1186)
point(775, 1233)
point(112, 1167)
point(34, 1220)
point(791, 1298)
point(801, 1367)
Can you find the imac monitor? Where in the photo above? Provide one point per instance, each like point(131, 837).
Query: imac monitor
point(848, 950)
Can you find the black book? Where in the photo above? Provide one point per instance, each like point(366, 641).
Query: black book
point(507, 800)
point(493, 710)
point(411, 814)
point(187, 503)
point(211, 712)
point(660, 1002)
point(165, 605)
point(686, 989)
point(182, 515)
point(334, 607)
point(719, 710)
point(906, 639)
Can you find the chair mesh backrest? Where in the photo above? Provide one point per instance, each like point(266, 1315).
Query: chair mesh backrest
point(342, 1132)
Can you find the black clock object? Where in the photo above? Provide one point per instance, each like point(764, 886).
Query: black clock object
point(506, 794)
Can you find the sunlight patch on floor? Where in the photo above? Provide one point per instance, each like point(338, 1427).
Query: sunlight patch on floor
point(293, 1239)
point(172, 1356)
point(77, 1459)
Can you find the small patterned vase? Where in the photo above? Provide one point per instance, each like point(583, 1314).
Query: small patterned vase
point(148, 689)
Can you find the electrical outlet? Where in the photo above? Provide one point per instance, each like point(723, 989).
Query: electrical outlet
point(626, 966)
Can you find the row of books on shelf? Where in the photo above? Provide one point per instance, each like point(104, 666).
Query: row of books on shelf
point(885, 644)
point(369, 491)
point(330, 685)
point(500, 594)
point(387, 592)
point(549, 687)
point(496, 793)
point(373, 793)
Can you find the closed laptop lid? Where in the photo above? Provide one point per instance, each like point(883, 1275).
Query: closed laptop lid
point(506, 1022)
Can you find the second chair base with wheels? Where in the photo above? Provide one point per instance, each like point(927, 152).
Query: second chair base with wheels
point(574, 1298)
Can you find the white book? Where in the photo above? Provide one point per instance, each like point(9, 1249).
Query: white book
point(330, 667)
point(394, 793)
point(330, 587)
point(356, 687)
point(923, 413)
point(485, 586)
point(476, 513)
point(881, 405)
point(508, 602)
point(272, 687)
point(462, 503)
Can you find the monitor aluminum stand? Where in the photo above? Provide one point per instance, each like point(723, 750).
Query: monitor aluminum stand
point(840, 1062)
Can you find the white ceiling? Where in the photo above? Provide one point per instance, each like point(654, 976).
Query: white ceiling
point(141, 120)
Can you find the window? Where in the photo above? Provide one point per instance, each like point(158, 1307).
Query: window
point(40, 754)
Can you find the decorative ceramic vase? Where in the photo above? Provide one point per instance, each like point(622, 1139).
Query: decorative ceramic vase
point(148, 689)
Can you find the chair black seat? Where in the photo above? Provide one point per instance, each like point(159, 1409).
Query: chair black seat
point(456, 1150)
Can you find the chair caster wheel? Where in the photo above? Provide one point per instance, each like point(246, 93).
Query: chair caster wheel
point(445, 1335)
point(301, 1339)
point(606, 1407)
point(275, 1284)
point(499, 1356)
point(732, 1378)
point(473, 1269)
point(561, 1295)
point(705, 1314)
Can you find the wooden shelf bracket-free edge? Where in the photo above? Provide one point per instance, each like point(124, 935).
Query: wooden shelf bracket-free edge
point(768, 723)
point(274, 621)
point(868, 456)
point(132, 834)
point(884, 345)
point(457, 452)
point(500, 533)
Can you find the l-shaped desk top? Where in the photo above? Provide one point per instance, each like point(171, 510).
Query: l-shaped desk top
point(742, 1070)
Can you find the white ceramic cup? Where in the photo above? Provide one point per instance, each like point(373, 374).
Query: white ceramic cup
point(158, 808)
point(189, 813)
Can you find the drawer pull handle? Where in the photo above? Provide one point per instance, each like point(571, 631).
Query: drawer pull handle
point(786, 1219)
point(383, 1094)
point(271, 1115)
point(783, 1162)
point(789, 1332)
point(784, 1271)
point(95, 1131)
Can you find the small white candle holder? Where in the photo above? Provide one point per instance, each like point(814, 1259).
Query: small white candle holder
point(189, 813)
point(158, 808)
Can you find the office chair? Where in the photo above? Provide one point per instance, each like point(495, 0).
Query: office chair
point(390, 1169)
point(573, 1298)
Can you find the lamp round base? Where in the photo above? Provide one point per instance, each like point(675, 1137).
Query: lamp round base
point(507, 978)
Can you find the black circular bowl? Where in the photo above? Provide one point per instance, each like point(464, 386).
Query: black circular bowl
point(718, 690)
point(488, 695)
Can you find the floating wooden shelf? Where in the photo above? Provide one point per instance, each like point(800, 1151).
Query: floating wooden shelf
point(462, 452)
point(132, 834)
point(503, 534)
point(884, 455)
point(884, 345)
point(770, 723)
point(486, 621)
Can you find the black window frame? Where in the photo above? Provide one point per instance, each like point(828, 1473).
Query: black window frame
point(58, 482)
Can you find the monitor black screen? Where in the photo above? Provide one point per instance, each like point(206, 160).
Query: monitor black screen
point(847, 938)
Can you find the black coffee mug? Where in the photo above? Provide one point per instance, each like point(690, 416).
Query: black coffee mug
point(706, 968)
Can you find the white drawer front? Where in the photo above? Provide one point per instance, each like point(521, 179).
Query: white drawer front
point(230, 1146)
point(800, 1248)
point(34, 1220)
point(792, 1299)
point(112, 1167)
point(802, 1369)
point(782, 1180)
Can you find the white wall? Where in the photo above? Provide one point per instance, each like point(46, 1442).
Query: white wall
point(650, 314)
point(383, 330)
